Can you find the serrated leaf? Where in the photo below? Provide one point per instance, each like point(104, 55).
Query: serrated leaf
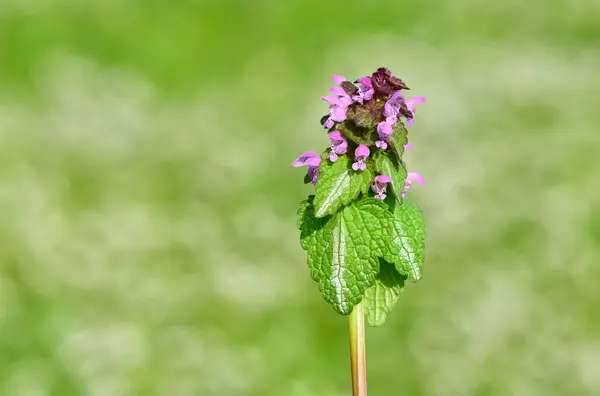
point(398, 139)
point(343, 249)
point(406, 248)
point(338, 184)
point(308, 224)
point(383, 295)
point(394, 169)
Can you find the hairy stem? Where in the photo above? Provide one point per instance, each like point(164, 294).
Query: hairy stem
point(358, 357)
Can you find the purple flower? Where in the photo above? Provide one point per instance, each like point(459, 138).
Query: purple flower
point(339, 145)
point(408, 146)
point(384, 130)
point(338, 103)
point(361, 153)
point(411, 177)
point(410, 104)
point(379, 186)
point(392, 108)
point(337, 80)
point(313, 160)
point(365, 90)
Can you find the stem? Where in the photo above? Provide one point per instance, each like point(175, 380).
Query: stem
point(358, 356)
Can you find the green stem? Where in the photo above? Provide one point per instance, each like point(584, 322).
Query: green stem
point(358, 356)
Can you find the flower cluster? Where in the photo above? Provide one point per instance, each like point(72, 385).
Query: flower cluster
point(362, 117)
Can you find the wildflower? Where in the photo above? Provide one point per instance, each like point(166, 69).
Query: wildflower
point(395, 106)
point(338, 106)
point(365, 90)
point(379, 186)
point(339, 145)
point(408, 146)
point(411, 177)
point(384, 130)
point(361, 153)
point(339, 102)
point(313, 160)
point(410, 104)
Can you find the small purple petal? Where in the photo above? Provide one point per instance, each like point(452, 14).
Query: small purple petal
point(383, 179)
point(329, 123)
point(336, 135)
point(338, 113)
point(359, 166)
point(380, 196)
point(384, 130)
point(397, 95)
point(308, 158)
point(381, 144)
point(346, 100)
point(415, 100)
point(410, 121)
point(339, 79)
point(313, 174)
point(332, 99)
point(389, 110)
point(332, 156)
point(392, 120)
point(408, 146)
point(338, 91)
point(362, 151)
point(366, 81)
point(341, 148)
point(414, 176)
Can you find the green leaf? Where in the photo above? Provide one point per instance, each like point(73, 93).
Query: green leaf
point(343, 249)
point(308, 224)
point(307, 179)
point(338, 184)
point(382, 296)
point(406, 249)
point(392, 168)
point(398, 139)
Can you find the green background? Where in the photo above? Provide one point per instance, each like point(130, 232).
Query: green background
point(148, 241)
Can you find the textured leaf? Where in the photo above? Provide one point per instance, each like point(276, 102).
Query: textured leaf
point(382, 296)
point(398, 139)
point(338, 185)
point(394, 169)
point(343, 249)
point(308, 224)
point(406, 249)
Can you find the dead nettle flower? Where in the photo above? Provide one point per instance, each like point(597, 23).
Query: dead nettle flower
point(365, 90)
point(384, 130)
point(339, 145)
point(360, 154)
point(313, 160)
point(362, 115)
point(410, 104)
point(338, 103)
point(411, 177)
point(379, 186)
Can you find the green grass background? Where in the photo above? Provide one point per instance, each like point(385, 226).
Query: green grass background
point(147, 227)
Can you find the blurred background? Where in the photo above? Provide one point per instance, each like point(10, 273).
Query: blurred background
point(148, 241)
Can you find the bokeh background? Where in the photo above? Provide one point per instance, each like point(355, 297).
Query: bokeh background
point(148, 207)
